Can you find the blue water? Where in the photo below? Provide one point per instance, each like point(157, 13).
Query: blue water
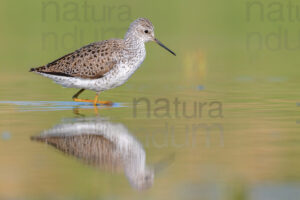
point(24, 106)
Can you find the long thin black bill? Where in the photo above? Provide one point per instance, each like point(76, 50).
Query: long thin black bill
point(162, 45)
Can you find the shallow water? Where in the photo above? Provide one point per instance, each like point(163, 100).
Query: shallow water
point(234, 148)
point(218, 121)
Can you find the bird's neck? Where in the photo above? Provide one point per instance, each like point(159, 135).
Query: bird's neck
point(133, 167)
point(133, 42)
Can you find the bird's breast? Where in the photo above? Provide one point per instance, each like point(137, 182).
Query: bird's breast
point(127, 64)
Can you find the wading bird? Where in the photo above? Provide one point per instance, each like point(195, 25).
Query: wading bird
point(102, 65)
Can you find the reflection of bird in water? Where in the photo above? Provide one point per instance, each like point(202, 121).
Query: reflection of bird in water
point(102, 144)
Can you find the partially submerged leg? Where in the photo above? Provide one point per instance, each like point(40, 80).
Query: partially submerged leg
point(75, 97)
point(101, 102)
point(95, 101)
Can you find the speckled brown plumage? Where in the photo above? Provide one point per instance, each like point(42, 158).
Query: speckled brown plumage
point(103, 65)
point(94, 150)
point(91, 61)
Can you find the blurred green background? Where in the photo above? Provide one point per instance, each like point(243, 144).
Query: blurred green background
point(244, 54)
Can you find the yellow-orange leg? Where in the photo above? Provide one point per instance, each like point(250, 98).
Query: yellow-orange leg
point(95, 101)
point(101, 102)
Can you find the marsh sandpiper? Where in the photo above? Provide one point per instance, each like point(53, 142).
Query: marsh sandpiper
point(102, 65)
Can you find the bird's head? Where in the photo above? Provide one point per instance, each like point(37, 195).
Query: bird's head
point(142, 180)
point(143, 30)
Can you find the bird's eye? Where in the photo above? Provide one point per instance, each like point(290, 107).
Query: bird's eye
point(146, 31)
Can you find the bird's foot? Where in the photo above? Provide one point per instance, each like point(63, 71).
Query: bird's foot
point(108, 103)
point(94, 102)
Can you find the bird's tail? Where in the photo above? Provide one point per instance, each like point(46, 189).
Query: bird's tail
point(38, 138)
point(37, 69)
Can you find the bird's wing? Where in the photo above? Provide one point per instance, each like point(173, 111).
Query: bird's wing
point(93, 150)
point(91, 61)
